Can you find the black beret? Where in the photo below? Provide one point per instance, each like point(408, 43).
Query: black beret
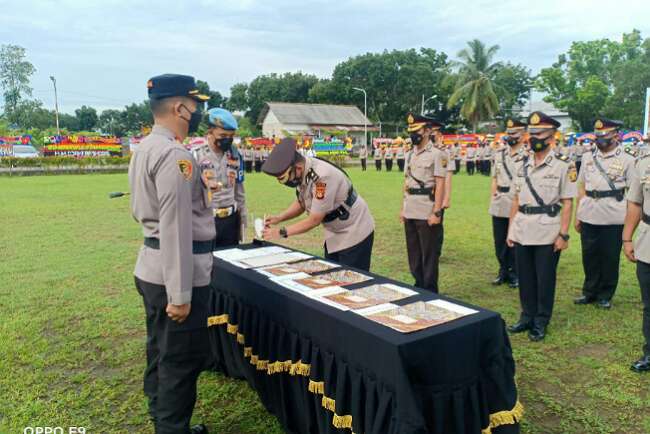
point(169, 85)
point(281, 157)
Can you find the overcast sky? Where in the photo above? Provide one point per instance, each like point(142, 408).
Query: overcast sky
point(102, 53)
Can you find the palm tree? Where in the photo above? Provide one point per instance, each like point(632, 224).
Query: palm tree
point(474, 90)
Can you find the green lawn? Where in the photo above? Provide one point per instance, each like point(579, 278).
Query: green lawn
point(72, 330)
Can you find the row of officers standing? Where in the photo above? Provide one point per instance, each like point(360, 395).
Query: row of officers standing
point(533, 191)
point(189, 203)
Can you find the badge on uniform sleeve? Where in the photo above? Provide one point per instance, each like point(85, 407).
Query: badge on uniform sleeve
point(186, 168)
point(573, 173)
point(320, 190)
point(444, 162)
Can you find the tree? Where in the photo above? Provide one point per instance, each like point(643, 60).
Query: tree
point(136, 116)
point(600, 77)
point(238, 100)
point(87, 117)
point(474, 90)
point(512, 85)
point(15, 73)
point(110, 122)
point(216, 99)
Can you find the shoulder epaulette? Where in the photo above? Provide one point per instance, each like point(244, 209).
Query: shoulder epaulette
point(631, 152)
point(311, 176)
point(562, 157)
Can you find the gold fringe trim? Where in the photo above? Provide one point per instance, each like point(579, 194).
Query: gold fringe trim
point(328, 403)
point(298, 368)
point(217, 320)
point(317, 387)
point(505, 417)
point(342, 421)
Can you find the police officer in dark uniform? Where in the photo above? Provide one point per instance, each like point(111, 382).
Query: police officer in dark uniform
point(540, 218)
point(600, 212)
point(172, 273)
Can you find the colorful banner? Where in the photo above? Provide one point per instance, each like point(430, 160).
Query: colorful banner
point(6, 150)
point(82, 146)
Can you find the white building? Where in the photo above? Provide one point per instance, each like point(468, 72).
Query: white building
point(548, 109)
point(281, 118)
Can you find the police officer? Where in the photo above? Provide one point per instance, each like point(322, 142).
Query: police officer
point(451, 169)
point(363, 156)
point(172, 273)
point(378, 157)
point(326, 193)
point(540, 216)
point(578, 152)
point(600, 212)
point(638, 213)
point(470, 159)
point(258, 159)
point(249, 156)
point(388, 158)
point(488, 154)
point(221, 156)
point(400, 154)
point(506, 166)
point(457, 156)
point(422, 207)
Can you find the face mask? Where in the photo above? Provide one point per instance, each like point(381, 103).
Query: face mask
point(416, 138)
point(194, 120)
point(512, 141)
point(537, 144)
point(292, 180)
point(224, 143)
point(603, 143)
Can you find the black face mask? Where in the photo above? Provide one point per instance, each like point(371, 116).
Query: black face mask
point(293, 181)
point(194, 120)
point(603, 143)
point(416, 138)
point(537, 144)
point(512, 141)
point(225, 144)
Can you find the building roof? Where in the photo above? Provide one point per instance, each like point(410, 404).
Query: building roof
point(315, 114)
point(541, 106)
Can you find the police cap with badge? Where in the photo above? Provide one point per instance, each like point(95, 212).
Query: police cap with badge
point(417, 122)
point(170, 85)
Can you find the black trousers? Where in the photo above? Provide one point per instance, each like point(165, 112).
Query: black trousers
point(389, 165)
point(457, 165)
point(487, 167)
point(378, 165)
point(363, 164)
point(400, 164)
point(424, 245)
point(228, 230)
point(643, 274)
point(357, 256)
point(176, 355)
point(469, 165)
point(258, 165)
point(248, 165)
point(601, 254)
point(578, 164)
point(537, 271)
point(505, 255)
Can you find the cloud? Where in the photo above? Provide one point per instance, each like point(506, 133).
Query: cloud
point(103, 53)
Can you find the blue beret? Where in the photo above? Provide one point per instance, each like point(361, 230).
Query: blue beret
point(219, 117)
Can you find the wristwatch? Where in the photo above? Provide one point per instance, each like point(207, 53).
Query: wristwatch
point(283, 232)
point(438, 213)
point(565, 237)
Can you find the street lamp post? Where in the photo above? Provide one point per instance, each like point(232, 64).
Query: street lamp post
point(365, 115)
point(424, 101)
point(56, 105)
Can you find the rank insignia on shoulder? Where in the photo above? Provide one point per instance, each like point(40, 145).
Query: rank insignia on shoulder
point(631, 152)
point(311, 176)
point(562, 157)
point(185, 167)
point(320, 190)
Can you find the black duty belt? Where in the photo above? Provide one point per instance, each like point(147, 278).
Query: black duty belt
point(503, 189)
point(619, 194)
point(646, 218)
point(420, 191)
point(198, 247)
point(551, 210)
point(341, 212)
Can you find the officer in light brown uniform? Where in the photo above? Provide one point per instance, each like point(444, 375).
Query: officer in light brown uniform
point(400, 154)
point(507, 164)
point(363, 156)
point(172, 273)
point(600, 212)
point(637, 218)
point(326, 194)
point(540, 220)
point(424, 189)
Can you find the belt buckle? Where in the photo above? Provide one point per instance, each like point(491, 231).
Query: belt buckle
point(222, 212)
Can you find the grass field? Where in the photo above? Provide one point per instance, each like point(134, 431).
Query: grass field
point(72, 331)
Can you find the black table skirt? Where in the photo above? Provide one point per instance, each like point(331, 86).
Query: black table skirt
point(321, 370)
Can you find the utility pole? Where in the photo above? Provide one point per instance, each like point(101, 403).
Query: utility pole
point(365, 115)
point(56, 106)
